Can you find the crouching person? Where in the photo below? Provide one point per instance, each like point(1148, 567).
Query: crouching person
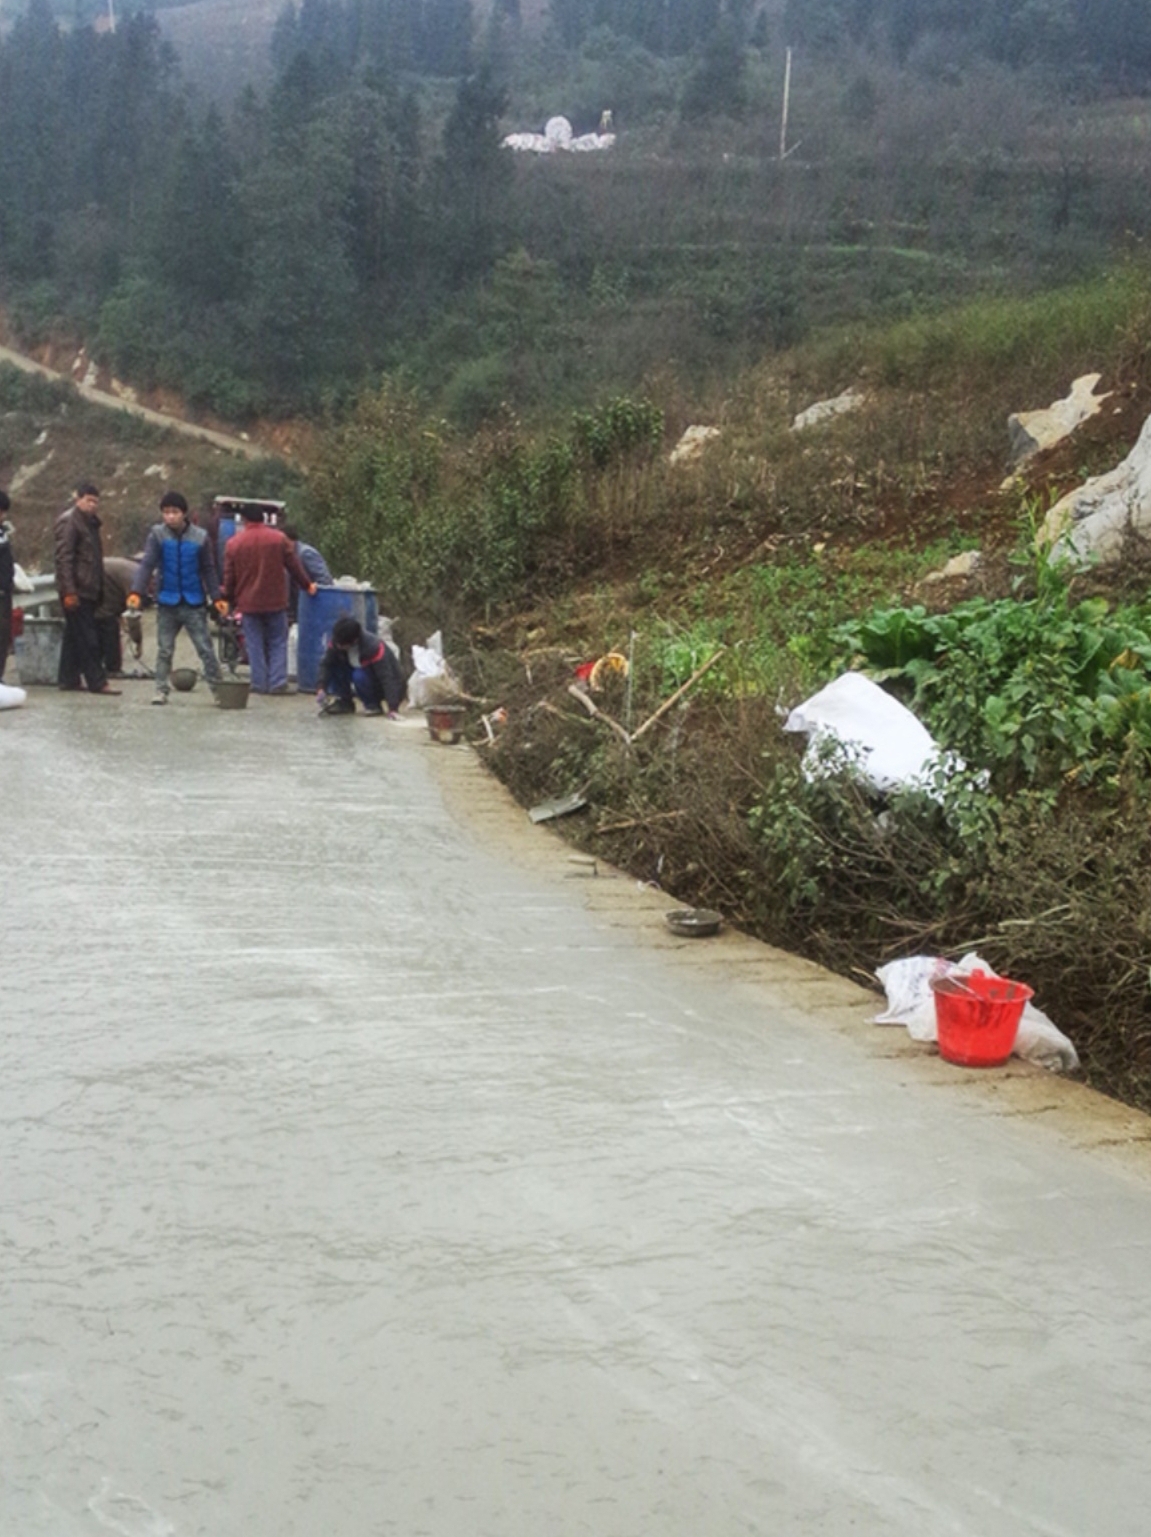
point(178, 553)
point(357, 664)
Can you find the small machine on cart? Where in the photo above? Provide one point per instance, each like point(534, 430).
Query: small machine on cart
point(225, 517)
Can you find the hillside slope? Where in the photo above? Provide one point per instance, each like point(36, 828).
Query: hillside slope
point(56, 431)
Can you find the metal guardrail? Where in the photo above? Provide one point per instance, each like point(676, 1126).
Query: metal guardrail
point(42, 597)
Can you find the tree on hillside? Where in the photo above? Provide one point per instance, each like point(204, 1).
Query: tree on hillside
point(123, 88)
point(33, 106)
point(473, 177)
point(665, 27)
point(444, 45)
point(432, 37)
point(379, 128)
point(716, 85)
point(299, 309)
point(1112, 37)
point(1116, 36)
point(198, 231)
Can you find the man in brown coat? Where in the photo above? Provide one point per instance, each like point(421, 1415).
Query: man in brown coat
point(80, 584)
point(119, 573)
point(257, 564)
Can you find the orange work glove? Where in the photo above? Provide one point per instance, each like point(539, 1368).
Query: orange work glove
point(133, 600)
point(221, 606)
point(71, 601)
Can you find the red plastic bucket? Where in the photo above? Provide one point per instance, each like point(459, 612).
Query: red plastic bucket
point(977, 1017)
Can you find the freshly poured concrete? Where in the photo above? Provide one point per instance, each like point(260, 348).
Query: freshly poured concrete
point(369, 1167)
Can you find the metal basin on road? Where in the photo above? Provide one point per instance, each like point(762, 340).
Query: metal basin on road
point(693, 922)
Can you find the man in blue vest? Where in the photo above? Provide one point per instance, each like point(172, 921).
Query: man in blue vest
point(180, 557)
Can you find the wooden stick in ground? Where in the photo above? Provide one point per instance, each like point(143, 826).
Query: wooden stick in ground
point(679, 693)
point(656, 816)
point(572, 720)
point(592, 708)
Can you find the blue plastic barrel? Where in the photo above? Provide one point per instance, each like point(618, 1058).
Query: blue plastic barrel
point(315, 619)
point(225, 530)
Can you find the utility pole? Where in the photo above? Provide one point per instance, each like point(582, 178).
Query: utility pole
point(783, 150)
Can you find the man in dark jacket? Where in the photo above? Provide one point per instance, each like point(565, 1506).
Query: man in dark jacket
point(180, 556)
point(80, 584)
point(7, 581)
point(257, 564)
point(358, 664)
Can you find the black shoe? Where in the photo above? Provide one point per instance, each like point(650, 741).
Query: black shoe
point(337, 706)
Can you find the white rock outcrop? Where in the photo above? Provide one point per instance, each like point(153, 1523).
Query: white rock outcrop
point(963, 564)
point(823, 410)
point(26, 473)
point(1088, 526)
point(1033, 431)
point(692, 444)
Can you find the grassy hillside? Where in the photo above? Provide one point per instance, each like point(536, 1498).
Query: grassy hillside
point(51, 439)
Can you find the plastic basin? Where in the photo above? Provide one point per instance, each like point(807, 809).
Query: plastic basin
point(977, 1017)
point(232, 693)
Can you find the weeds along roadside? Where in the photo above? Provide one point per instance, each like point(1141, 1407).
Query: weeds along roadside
point(1039, 854)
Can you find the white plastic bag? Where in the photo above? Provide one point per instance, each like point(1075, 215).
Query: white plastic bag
point(892, 749)
point(385, 630)
point(911, 1002)
point(432, 680)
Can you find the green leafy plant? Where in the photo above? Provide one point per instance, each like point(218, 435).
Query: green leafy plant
point(618, 428)
point(1031, 690)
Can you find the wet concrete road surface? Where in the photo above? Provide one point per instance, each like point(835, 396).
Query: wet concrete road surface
point(368, 1168)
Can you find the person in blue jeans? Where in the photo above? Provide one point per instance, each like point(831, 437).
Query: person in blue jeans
point(359, 665)
point(180, 557)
